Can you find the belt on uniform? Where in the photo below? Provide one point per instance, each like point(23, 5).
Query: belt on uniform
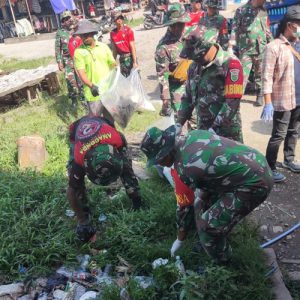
point(125, 55)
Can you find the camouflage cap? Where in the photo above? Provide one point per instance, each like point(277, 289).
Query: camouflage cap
point(176, 14)
point(196, 44)
point(212, 3)
point(157, 143)
point(103, 164)
point(85, 26)
point(65, 14)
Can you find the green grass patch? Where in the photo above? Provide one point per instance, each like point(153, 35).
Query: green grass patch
point(13, 64)
point(134, 22)
point(36, 234)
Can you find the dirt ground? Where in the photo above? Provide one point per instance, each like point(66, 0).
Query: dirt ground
point(282, 209)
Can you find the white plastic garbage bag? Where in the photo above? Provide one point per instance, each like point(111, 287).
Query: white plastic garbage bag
point(119, 97)
point(136, 82)
point(164, 122)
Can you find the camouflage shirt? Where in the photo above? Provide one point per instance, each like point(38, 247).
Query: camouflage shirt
point(167, 58)
point(215, 91)
point(217, 27)
point(250, 29)
point(62, 45)
point(216, 164)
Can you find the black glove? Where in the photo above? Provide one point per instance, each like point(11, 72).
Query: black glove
point(85, 232)
point(166, 109)
point(136, 203)
point(94, 90)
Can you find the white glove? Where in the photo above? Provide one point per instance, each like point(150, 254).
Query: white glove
point(211, 131)
point(176, 246)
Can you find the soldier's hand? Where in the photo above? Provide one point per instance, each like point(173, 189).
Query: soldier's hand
point(230, 50)
point(178, 128)
point(60, 66)
point(211, 130)
point(166, 109)
point(94, 90)
point(135, 65)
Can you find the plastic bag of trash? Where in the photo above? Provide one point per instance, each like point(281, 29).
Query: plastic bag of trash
point(136, 82)
point(119, 97)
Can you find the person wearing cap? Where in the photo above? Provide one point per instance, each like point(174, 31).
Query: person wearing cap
point(215, 24)
point(195, 13)
point(281, 89)
point(93, 62)
point(167, 59)
point(250, 34)
point(122, 41)
point(63, 58)
point(99, 151)
point(235, 177)
point(214, 87)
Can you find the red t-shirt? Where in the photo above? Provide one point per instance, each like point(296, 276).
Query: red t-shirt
point(184, 195)
point(74, 42)
point(122, 38)
point(88, 133)
point(195, 18)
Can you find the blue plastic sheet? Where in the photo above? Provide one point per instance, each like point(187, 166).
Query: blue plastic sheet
point(60, 6)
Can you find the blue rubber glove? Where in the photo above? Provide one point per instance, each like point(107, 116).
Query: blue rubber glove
point(267, 113)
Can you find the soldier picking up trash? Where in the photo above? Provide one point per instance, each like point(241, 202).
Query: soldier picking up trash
point(235, 178)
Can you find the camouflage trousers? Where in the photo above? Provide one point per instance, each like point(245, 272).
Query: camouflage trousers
point(220, 213)
point(177, 89)
point(254, 61)
point(74, 85)
point(128, 177)
point(126, 64)
point(206, 114)
point(185, 218)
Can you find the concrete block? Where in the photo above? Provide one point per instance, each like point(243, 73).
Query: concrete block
point(278, 287)
point(31, 152)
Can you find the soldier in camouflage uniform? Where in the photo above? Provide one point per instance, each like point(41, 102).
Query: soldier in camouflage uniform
point(215, 24)
point(236, 177)
point(64, 59)
point(167, 59)
point(99, 151)
point(214, 87)
point(250, 34)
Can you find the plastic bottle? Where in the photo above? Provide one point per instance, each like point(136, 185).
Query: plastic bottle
point(179, 264)
point(82, 275)
point(105, 278)
point(65, 272)
point(85, 262)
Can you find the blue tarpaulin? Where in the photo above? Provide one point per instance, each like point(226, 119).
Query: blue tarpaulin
point(60, 6)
